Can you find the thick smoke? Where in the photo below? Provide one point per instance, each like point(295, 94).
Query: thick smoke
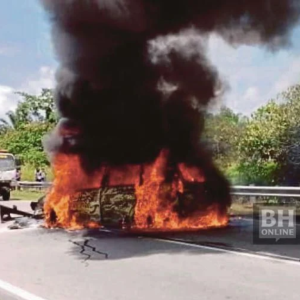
point(134, 77)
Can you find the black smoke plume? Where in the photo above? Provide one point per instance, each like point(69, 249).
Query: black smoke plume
point(134, 77)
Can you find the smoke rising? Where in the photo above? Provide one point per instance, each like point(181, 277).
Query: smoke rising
point(134, 77)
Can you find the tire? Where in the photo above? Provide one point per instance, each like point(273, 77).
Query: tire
point(6, 195)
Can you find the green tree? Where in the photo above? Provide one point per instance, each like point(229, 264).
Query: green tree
point(270, 134)
point(34, 108)
point(31, 108)
point(10, 123)
point(223, 132)
point(26, 143)
point(25, 127)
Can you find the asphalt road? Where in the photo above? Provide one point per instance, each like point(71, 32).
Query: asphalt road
point(239, 235)
point(58, 265)
point(22, 205)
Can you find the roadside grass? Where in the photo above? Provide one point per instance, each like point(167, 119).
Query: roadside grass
point(246, 210)
point(241, 209)
point(28, 173)
point(24, 195)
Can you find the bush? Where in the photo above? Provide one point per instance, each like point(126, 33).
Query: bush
point(28, 172)
point(258, 173)
point(26, 143)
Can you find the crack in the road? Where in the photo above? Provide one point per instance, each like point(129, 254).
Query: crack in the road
point(94, 249)
point(82, 250)
point(86, 245)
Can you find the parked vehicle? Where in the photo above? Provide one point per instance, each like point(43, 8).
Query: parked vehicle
point(8, 172)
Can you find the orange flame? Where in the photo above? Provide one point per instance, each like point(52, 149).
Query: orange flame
point(156, 197)
point(155, 200)
point(69, 178)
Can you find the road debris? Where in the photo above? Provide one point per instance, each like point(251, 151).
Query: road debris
point(6, 212)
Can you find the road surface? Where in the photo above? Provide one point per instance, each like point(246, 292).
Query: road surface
point(59, 265)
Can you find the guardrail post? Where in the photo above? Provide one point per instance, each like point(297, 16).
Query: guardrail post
point(252, 198)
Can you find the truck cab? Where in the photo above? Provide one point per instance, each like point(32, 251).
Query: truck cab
point(8, 169)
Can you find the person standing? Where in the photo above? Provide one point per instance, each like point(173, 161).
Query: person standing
point(38, 175)
point(18, 174)
point(43, 175)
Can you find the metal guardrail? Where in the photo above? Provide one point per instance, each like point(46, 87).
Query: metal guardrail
point(266, 191)
point(250, 191)
point(32, 185)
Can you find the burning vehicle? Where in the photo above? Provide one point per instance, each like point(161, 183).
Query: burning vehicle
point(144, 196)
point(132, 88)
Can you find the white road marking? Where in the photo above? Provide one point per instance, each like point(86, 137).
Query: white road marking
point(273, 257)
point(13, 290)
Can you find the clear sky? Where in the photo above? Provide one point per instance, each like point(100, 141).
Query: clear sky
point(27, 61)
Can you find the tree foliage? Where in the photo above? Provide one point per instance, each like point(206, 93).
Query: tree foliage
point(223, 131)
point(270, 136)
point(23, 129)
point(31, 109)
point(262, 149)
point(26, 142)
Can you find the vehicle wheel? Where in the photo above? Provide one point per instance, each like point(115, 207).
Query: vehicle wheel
point(6, 195)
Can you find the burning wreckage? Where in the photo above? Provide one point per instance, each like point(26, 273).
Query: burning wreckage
point(157, 195)
point(132, 89)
